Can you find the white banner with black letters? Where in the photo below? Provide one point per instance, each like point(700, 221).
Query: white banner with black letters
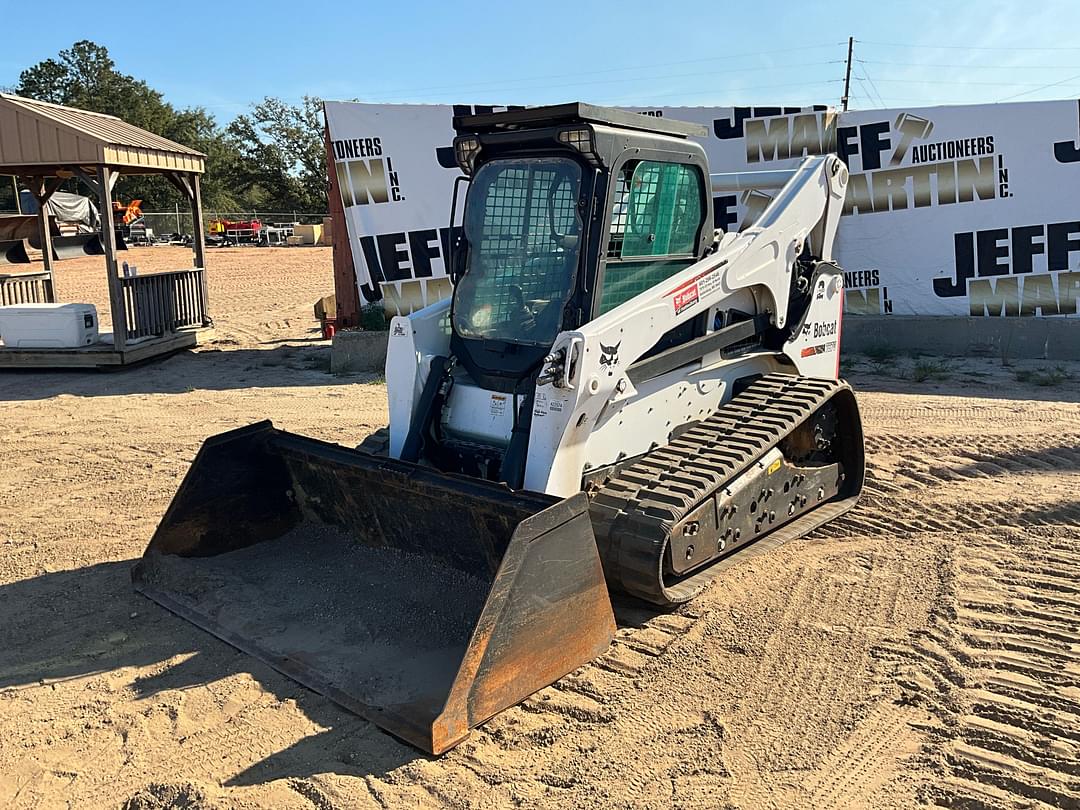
point(959, 210)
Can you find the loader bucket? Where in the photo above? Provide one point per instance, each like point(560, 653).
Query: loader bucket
point(23, 226)
point(424, 602)
point(83, 244)
point(13, 251)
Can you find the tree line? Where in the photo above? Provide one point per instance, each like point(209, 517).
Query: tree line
point(271, 158)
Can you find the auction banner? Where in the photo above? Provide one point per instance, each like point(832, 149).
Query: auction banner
point(957, 210)
point(396, 171)
point(963, 210)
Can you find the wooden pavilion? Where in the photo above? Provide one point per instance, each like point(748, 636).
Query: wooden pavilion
point(157, 313)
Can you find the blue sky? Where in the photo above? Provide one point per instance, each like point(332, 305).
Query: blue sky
point(631, 52)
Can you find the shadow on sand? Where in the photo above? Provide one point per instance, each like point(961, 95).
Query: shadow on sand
point(95, 623)
point(211, 369)
point(89, 621)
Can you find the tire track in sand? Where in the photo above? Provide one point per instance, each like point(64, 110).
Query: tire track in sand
point(1000, 666)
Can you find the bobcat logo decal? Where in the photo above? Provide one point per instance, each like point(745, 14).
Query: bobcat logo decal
point(609, 355)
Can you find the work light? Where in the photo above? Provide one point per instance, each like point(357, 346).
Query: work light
point(581, 139)
point(466, 148)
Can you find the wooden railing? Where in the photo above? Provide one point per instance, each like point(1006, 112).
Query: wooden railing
point(26, 288)
point(159, 303)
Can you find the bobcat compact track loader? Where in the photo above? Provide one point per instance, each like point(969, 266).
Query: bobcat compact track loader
point(615, 396)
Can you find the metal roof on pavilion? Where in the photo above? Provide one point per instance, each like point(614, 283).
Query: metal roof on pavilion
point(37, 138)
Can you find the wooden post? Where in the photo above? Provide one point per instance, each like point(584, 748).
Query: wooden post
point(199, 245)
point(346, 292)
point(40, 194)
point(108, 239)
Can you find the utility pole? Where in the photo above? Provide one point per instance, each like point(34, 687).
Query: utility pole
point(847, 75)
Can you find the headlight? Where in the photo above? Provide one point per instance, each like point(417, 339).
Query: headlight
point(466, 148)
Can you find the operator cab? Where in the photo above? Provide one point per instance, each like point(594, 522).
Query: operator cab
point(571, 210)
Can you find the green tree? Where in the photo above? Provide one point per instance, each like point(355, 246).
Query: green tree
point(284, 156)
point(85, 76)
point(271, 159)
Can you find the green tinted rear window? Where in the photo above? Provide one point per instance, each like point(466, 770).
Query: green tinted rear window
point(657, 210)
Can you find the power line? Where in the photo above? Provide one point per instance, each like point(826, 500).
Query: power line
point(967, 82)
point(716, 91)
point(978, 67)
point(457, 92)
point(924, 101)
point(867, 93)
point(1035, 87)
point(459, 87)
point(1044, 87)
point(585, 84)
point(969, 47)
point(874, 86)
point(853, 95)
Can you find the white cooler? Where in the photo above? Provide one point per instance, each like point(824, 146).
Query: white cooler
point(48, 326)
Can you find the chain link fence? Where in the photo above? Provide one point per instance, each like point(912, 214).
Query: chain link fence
point(166, 223)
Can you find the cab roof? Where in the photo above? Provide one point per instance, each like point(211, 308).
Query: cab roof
point(573, 113)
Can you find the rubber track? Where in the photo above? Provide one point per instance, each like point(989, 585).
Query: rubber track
point(634, 512)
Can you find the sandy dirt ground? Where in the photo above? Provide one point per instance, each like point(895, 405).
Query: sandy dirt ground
point(924, 649)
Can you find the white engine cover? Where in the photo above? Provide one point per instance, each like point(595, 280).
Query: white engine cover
point(479, 415)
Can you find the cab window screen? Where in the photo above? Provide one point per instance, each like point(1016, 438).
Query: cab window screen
point(523, 226)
